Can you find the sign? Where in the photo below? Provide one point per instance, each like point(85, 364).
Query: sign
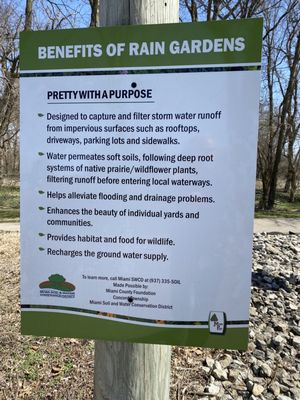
point(138, 154)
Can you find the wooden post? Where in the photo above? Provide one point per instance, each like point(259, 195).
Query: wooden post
point(138, 12)
point(130, 371)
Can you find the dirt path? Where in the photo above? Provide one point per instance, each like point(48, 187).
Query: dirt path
point(9, 227)
point(278, 225)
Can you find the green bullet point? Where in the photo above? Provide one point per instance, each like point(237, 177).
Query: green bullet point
point(41, 192)
point(41, 234)
point(41, 154)
point(40, 114)
point(41, 208)
point(41, 248)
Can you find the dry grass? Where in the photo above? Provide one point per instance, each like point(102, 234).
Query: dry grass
point(36, 368)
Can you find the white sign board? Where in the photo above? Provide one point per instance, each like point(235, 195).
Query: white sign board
point(138, 189)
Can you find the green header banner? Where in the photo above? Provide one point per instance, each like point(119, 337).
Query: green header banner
point(209, 43)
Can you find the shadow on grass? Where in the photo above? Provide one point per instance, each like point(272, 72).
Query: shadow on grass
point(9, 203)
point(9, 215)
point(282, 208)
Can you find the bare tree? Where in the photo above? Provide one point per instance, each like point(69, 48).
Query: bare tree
point(95, 7)
point(293, 147)
point(279, 111)
point(192, 7)
point(37, 15)
point(292, 134)
point(281, 53)
point(209, 10)
point(9, 65)
point(28, 15)
point(57, 14)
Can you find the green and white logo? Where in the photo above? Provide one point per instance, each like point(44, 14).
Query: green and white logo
point(217, 322)
point(57, 286)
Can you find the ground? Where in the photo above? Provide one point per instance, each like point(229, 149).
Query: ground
point(36, 368)
point(62, 369)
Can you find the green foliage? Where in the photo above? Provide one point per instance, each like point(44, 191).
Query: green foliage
point(56, 278)
point(31, 364)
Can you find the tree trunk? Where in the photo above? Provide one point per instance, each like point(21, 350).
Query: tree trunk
point(28, 15)
point(293, 187)
point(208, 13)
point(129, 371)
point(94, 13)
point(264, 194)
point(281, 136)
point(1, 166)
point(192, 9)
point(287, 184)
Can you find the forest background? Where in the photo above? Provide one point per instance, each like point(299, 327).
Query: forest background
point(278, 153)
